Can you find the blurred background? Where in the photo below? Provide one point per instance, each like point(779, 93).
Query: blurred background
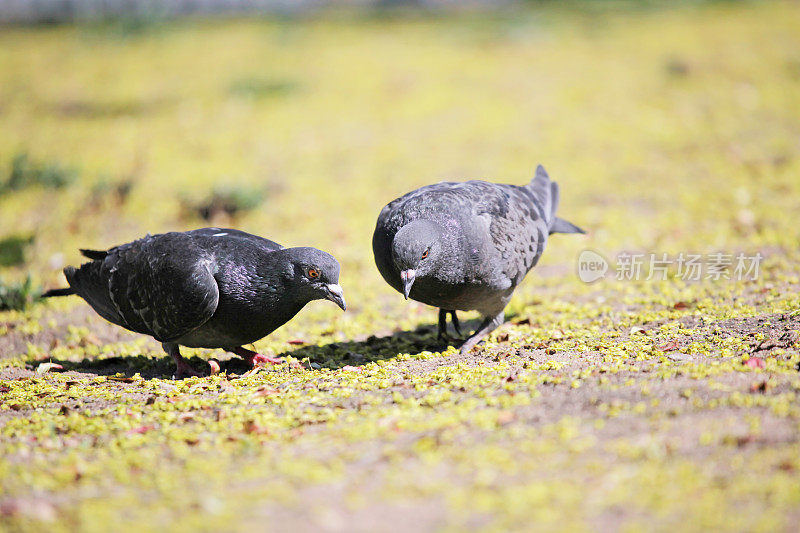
point(670, 126)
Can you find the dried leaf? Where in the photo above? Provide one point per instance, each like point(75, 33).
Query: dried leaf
point(47, 367)
point(668, 346)
point(505, 418)
point(140, 429)
point(185, 417)
point(121, 379)
point(252, 428)
point(252, 372)
point(755, 362)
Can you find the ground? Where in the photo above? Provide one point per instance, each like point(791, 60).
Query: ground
point(655, 404)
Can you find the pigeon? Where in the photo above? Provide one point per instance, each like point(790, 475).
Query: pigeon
point(466, 246)
point(206, 288)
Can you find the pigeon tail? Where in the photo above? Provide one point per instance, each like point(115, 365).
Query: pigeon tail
point(58, 292)
point(546, 192)
point(560, 225)
point(94, 254)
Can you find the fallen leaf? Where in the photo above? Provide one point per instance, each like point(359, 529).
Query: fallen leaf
point(251, 428)
point(141, 429)
point(505, 417)
point(755, 362)
point(255, 370)
point(121, 379)
point(214, 366)
point(680, 305)
point(348, 368)
point(668, 346)
point(296, 342)
point(47, 367)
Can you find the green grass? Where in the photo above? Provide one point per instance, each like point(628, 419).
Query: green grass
point(655, 405)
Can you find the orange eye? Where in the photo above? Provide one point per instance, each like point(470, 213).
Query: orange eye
point(425, 253)
point(313, 273)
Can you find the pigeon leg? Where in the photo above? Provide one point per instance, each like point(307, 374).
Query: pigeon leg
point(442, 325)
point(443, 336)
point(456, 325)
point(183, 368)
point(486, 327)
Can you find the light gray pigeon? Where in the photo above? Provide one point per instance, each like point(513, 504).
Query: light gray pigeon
point(206, 288)
point(466, 246)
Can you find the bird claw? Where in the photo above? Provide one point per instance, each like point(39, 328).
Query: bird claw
point(260, 358)
point(184, 370)
point(447, 339)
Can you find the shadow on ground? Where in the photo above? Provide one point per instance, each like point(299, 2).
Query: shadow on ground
point(334, 355)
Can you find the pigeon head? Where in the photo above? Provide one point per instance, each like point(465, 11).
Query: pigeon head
point(315, 275)
point(416, 249)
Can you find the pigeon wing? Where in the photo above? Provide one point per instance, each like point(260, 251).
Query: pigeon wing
point(161, 286)
point(518, 228)
point(235, 234)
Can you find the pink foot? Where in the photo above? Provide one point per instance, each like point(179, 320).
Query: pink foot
point(261, 358)
point(254, 358)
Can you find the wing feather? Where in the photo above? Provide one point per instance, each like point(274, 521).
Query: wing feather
point(161, 286)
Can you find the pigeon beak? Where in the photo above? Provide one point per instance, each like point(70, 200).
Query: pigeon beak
point(334, 293)
point(407, 277)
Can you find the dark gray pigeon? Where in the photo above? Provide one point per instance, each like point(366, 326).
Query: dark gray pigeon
point(206, 288)
point(466, 246)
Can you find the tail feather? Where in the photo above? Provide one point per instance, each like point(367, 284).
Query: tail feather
point(58, 292)
point(546, 192)
point(94, 254)
point(560, 225)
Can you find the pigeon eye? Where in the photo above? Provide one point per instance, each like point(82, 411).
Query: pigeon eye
point(425, 253)
point(313, 273)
